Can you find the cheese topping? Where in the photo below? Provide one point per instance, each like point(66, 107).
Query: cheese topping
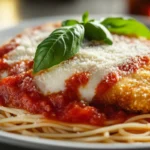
point(28, 43)
point(97, 60)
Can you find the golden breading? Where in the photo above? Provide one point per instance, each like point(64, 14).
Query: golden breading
point(131, 92)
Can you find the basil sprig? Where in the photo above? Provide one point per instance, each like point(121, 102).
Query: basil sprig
point(69, 22)
point(62, 44)
point(96, 31)
point(85, 17)
point(126, 26)
point(93, 29)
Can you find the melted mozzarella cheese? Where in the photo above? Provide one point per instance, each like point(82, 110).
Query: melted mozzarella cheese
point(28, 43)
point(97, 60)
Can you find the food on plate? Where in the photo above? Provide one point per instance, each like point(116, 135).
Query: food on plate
point(86, 81)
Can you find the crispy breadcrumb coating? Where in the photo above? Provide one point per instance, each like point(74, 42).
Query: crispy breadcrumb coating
point(132, 92)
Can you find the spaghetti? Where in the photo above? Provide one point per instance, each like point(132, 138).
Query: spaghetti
point(135, 129)
point(62, 115)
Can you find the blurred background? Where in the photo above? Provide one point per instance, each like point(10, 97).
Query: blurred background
point(14, 11)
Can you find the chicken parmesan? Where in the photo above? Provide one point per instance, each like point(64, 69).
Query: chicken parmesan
point(100, 94)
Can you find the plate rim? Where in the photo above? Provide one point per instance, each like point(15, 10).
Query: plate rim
point(36, 142)
point(66, 144)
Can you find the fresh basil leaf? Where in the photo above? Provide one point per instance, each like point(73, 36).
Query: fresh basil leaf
point(126, 26)
point(61, 44)
point(69, 22)
point(85, 17)
point(96, 31)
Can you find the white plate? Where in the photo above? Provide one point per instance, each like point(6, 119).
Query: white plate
point(38, 143)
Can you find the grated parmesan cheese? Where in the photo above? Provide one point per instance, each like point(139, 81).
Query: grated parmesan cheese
point(28, 43)
point(98, 60)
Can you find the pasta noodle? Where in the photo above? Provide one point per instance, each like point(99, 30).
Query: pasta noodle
point(135, 129)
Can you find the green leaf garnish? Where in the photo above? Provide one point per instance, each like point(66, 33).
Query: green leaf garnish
point(124, 26)
point(61, 44)
point(64, 42)
point(85, 17)
point(96, 31)
point(69, 22)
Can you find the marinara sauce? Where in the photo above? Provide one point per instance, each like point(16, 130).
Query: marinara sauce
point(20, 91)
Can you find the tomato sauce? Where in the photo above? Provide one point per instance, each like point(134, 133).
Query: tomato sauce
point(20, 91)
point(9, 46)
point(15, 68)
point(113, 77)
